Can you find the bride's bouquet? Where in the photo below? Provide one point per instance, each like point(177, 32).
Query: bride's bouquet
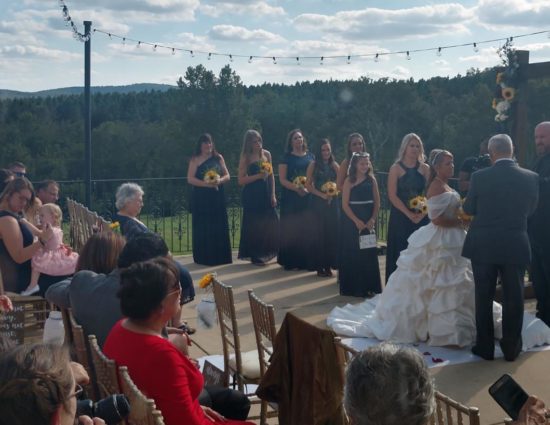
point(466, 219)
point(418, 204)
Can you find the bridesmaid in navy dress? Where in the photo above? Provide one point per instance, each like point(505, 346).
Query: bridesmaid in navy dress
point(407, 178)
point(324, 210)
point(211, 244)
point(294, 243)
point(260, 226)
point(359, 272)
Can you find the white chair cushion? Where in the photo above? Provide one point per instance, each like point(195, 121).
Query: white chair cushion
point(250, 364)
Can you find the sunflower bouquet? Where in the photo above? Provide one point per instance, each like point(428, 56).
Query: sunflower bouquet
point(300, 182)
point(330, 189)
point(206, 308)
point(211, 176)
point(265, 167)
point(462, 216)
point(115, 227)
point(418, 204)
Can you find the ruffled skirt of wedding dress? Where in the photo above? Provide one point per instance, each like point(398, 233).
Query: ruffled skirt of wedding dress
point(430, 297)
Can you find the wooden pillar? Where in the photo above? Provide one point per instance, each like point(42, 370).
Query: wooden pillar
point(519, 125)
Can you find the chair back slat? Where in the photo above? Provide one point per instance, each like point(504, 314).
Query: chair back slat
point(81, 350)
point(263, 320)
point(143, 410)
point(105, 370)
point(450, 412)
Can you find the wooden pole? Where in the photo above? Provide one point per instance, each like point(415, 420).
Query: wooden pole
point(87, 115)
point(519, 126)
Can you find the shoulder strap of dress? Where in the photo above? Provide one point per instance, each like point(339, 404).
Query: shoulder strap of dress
point(4, 213)
point(402, 166)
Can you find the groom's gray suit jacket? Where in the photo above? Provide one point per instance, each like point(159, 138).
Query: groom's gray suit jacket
point(501, 198)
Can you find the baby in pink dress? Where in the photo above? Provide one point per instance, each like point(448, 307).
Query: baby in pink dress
point(54, 258)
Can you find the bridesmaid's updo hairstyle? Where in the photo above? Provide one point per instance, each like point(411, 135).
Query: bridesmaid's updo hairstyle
point(144, 285)
point(289, 137)
point(351, 138)
point(405, 142)
point(352, 170)
point(436, 157)
point(205, 138)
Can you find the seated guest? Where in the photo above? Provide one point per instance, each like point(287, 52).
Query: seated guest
point(533, 412)
point(388, 385)
point(88, 290)
point(100, 252)
point(47, 191)
point(17, 243)
point(129, 201)
point(149, 297)
point(37, 387)
point(18, 169)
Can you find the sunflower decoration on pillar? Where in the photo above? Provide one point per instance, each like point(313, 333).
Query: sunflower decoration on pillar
point(506, 84)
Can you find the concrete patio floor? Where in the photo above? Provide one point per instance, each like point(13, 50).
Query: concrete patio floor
point(312, 298)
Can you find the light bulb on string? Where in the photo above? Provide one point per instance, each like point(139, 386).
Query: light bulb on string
point(438, 51)
point(192, 53)
point(138, 44)
point(173, 51)
point(297, 60)
point(377, 57)
point(322, 59)
point(349, 59)
point(408, 56)
point(230, 58)
point(250, 59)
point(110, 37)
point(476, 49)
point(124, 41)
point(209, 56)
point(155, 48)
point(274, 60)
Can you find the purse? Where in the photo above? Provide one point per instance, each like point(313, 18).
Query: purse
point(367, 241)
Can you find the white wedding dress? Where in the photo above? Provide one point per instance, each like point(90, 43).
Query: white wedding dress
point(430, 297)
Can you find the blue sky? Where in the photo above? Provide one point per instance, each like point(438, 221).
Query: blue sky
point(37, 50)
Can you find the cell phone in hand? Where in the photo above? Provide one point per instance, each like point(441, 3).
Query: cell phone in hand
point(509, 395)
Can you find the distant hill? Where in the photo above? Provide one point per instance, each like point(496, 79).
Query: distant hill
point(12, 94)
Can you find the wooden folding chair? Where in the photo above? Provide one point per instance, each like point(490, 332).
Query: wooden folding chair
point(244, 367)
point(143, 410)
point(105, 370)
point(81, 350)
point(263, 319)
point(449, 412)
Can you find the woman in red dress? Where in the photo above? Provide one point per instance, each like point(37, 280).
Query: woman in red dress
point(149, 296)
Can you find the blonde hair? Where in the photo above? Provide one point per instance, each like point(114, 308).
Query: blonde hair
point(405, 142)
point(249, 137)
point(56, 213)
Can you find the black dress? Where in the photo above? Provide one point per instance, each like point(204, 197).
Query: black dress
point(294, 232)
point(17, 277)
point(409, 185)
point(324, 222)
point(260, 226)
point(211, 244)
point(359, 272)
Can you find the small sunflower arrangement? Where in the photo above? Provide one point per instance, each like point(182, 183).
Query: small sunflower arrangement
point(211, 176)
point(206, 281)
point(462, 216)
point(265, 167)
point(418, 204)
point(330, 189)
point(506, 83)
point(300, 182)
point(115, 227)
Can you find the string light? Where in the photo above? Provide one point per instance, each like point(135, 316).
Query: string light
point(173, 51)
point(155, 48)
point(124, 41)
point(348, 57)
point(69, 22)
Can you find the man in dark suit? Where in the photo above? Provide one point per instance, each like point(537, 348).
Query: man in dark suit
point(539, 225)
point(501, 198)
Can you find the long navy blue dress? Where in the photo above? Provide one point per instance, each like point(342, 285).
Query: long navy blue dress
point(211, 245)
point(324, 222)
point(409, 185)
point(260, 226)
point(294, 231)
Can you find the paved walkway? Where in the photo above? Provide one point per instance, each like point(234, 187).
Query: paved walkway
point(312, 298)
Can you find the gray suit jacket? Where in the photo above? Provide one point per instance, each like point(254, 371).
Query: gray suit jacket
point(501, 198)
point(92, 298)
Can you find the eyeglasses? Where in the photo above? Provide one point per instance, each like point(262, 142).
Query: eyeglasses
point(19, 173)
point(175, 291)
point(77, 391)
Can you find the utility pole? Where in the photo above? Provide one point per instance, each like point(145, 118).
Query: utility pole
point(87, 115)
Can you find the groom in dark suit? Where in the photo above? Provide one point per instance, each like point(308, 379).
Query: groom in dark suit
point(501, 198)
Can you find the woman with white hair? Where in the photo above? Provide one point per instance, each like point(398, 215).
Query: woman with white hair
point(388, 385)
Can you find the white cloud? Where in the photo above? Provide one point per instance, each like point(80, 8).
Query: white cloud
point(487, 56)
point(235, 33)
point(513, 13)
point(256, 8)
point(37, 52)
point(375, 23)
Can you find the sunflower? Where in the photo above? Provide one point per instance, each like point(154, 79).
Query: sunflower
point(206, 280)
point(211, 176)
point(300, 181)
point(265, 167)
point(330, 189)
point(115, 227)
point(508, 93)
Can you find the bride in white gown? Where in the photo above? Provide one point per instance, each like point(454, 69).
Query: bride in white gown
point(430, 297)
